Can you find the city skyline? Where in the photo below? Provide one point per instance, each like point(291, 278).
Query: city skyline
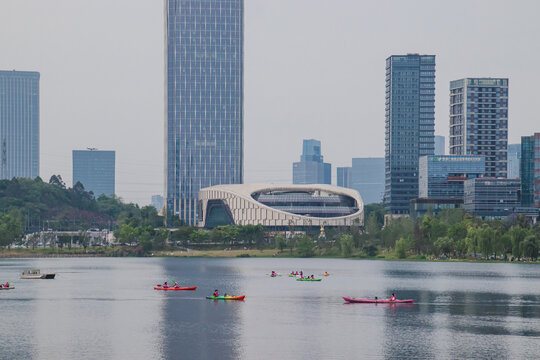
point(92, 97)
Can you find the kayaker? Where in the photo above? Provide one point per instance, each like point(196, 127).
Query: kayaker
point(393, 297)
point(273, 273)
point(176, 285)
point(301, 274)
point(313, 277)
point(325, 273)
point(7, 285)
point(165, 285)
point(216, 293)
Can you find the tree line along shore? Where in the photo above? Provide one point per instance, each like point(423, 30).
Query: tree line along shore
point(28, 206)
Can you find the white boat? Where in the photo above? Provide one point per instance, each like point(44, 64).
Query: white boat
point(36, 274)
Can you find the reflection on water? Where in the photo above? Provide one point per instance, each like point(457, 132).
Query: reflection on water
point(195, 327)
point(107, 309)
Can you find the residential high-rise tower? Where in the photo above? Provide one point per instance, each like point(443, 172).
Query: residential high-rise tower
point(479, 121)
point(19, 124)
point(410, 122)
point(204, 100)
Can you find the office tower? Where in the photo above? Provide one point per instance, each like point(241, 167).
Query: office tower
point(311, 169)
point(514, 158)
point(344, 176)
point(439, 145)
point(367, 177)
point(204, 100)
point(479, 121)
point(157, 202)
point(410, 122)
point(442, 177)
point(530, 170)
point(19, 124)
point(95, 169)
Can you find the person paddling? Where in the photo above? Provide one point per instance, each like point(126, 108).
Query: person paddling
point(216, 293)
point(165, 285)
point(393, 297)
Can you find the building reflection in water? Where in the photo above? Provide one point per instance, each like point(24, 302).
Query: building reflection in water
point(194, 327)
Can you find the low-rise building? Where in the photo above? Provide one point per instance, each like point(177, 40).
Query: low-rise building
point(280, 207)
point(495, 198)
point(442, 177)
point(423, 206)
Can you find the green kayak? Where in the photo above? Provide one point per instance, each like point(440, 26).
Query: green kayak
point(306, 279)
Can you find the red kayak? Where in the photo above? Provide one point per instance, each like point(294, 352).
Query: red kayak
point(175, 288)
point(378, 301)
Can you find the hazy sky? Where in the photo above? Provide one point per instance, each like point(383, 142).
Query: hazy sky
point(313, 69)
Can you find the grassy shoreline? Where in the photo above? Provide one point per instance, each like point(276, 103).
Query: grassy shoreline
point(239, 253)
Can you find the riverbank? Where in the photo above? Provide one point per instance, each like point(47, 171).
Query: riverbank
point(225, 253)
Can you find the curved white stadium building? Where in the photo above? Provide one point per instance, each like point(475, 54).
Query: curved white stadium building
point(280, 206)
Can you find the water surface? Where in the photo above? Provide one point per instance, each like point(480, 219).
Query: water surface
point(106, 308)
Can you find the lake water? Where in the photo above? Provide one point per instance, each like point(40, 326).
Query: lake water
point(106, 308)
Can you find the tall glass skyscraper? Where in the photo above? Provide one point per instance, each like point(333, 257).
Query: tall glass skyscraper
point(439, 145)
point(530, 170)
point(19, 124)
point(479, 121)
point(311, 169)
point(204, 100)
point(410, 123)
point(95, 169)
point(514, 158)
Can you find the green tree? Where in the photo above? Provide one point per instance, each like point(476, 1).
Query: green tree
point(305, 247)
point(502, 245)
point(472, 239)
point(402, 247)
point(486, 239)
point(84, 239)
point(126, 234)
point(444, 245)
point(200, 236)
point(458, 231)
point(280, 242)
point(529, 247)
point(56, 180)
point(372, 225)
point(517, 235)
point(10, 230)
point(347, 244)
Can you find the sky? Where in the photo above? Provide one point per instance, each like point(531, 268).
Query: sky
point(312, 69)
